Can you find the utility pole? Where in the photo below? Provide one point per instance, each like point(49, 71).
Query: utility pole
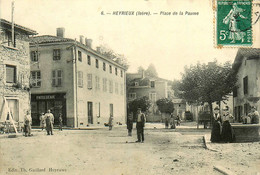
point(13, 23)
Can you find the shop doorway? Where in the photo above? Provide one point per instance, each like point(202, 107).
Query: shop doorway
point(41, 103)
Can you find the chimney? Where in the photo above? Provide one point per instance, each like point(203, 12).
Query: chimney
point(98, 49)
point(89, 43)
point(143, 74)
point(60, 32)
point(81, 39)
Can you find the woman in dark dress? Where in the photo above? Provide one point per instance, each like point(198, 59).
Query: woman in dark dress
point(227, 133)
point(130, 124)
point(216, 128)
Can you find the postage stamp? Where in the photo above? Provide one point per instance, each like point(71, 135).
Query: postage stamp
point(234, 23)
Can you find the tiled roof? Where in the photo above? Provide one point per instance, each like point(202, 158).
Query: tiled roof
point(250, 53)
point(25, 29)
point(49, 39)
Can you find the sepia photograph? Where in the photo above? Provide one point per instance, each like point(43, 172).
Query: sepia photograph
point(133, 87)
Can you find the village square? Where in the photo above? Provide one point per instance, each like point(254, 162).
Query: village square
point(71, 106)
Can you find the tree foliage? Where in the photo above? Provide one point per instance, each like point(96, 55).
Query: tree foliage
point(151, 71)
point(165, 105)
point(144, 103)
point(206, 82)
point(106, 51)
point(209, 83)
point(140, 69)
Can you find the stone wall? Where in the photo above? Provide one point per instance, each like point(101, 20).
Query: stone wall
point(19, 57)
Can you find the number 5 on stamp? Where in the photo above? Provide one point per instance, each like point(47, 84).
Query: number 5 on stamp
point(234, 23)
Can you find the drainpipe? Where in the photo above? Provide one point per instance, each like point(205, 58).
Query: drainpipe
point(125, 94)
point(75, 78)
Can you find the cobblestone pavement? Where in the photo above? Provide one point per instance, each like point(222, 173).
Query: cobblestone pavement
point(165, 151)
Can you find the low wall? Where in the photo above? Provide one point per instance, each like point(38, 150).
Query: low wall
point(246, 132)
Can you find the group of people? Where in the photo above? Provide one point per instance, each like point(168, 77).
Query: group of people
point(46, 121)
point(172, 121)
point(252, 117)
point(221, 129)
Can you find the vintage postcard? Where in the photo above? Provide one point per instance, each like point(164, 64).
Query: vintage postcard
point(129, 87)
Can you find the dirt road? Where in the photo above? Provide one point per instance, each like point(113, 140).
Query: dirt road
point(114, 153)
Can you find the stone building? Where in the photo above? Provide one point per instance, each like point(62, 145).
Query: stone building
point(71, 78)
point(155, 88)
point(247, 66)
point(14, 70)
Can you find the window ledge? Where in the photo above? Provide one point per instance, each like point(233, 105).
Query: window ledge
point(10, 47)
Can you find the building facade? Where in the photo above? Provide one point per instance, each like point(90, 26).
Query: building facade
point(71, 78)
point(247, 93)
point(139, 85)
point(14, 71)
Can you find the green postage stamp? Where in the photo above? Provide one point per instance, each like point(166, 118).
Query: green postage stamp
point(234, 23)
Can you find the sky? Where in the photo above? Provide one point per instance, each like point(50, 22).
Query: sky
point(169, 42)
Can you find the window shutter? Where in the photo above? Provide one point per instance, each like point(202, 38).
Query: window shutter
point(59, 77)
point(53, 78)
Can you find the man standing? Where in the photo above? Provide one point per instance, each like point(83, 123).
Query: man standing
point(140, 123)
point(49, 122)
point(27, 124)
point(110, 122)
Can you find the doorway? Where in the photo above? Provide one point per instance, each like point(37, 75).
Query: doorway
point(14, 109)
point(111, 110)
point(90, 113)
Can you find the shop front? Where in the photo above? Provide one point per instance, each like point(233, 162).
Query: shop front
point(40, 103)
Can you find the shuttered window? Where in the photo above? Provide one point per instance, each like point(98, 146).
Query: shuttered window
point(36, 79)
point(89, 81)
point(245, 84)
point(56, 78)
point(80, 78)
point(56, 54)
point(10, 74)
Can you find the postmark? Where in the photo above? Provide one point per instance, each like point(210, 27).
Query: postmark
point(234, 23)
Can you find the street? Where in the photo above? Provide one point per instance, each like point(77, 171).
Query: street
point(100, 151)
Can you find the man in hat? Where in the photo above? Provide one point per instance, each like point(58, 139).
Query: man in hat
point(254, 115)
point(27, 124)
point(140, 123)
point(216, 127)
point(49, 122)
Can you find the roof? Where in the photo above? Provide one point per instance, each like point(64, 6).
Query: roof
point(250, 53)
point(8, 24)
point(47, 39)
point(145, 81)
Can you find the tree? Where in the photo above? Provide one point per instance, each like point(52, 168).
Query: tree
point(206, 83)
point(140, 69)
point(144, 103)
point(151, 71)
point(165, 105)
point(106, 51)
